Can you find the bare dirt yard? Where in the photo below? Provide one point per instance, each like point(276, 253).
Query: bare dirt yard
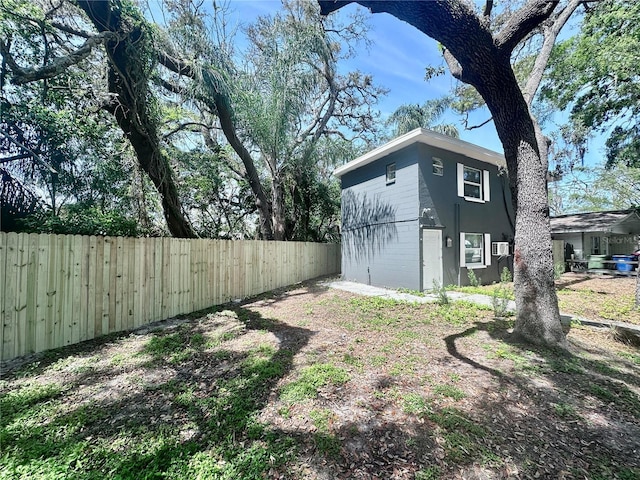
point(315, 383)
point(595, 297)
point(598, 297)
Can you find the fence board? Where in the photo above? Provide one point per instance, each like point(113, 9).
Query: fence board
point(173, 272)
point(148, 266)
point(119, 294)
point(174, 275)
point(76, 289)
point(198, 282)
point(157, 279)
point(62, 289)
point(98, 288)
point(91, 281)
point(61, 269)
point(3, 289)
point(165, 276)
point(217, 274)
point(131, 277)
point(52, 276)
point(185, 264)
point(137, 284)
point(32, 285)
point(85, 271)
point(21, 318)
point(9, 341)
point(109, 276)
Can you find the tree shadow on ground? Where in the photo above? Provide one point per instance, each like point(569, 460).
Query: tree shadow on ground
point(565, 283)
point(203, 399)
point(35, 364)
point(592, 398)
point(183, 402)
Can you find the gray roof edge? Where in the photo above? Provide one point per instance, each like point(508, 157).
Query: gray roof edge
point(622, 216)
point(628, 211)
point(428, 137)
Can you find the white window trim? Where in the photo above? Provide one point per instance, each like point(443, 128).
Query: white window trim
point(485, 191)
point(486, 239)
point(596, 241)
point(393, 180)
point(487, 249)
point(436, 161)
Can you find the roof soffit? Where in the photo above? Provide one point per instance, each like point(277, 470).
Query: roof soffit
point(427, 137)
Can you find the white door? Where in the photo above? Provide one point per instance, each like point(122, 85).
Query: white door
point(431, 258)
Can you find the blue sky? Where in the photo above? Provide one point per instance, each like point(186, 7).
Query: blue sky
point(397, 59)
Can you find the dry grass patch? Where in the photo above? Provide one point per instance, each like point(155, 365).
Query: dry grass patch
point(310, 383)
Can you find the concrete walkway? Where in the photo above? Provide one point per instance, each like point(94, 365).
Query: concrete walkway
point(368, 290)
point(371, 291)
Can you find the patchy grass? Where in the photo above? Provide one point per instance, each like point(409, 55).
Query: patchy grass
point(313, 383)
point(598, 297)
point(485, 289)
point(311, 379)
point(450, 391)
point(593, 297)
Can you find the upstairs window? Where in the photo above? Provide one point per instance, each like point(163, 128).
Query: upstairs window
point(391, 173)
point(473, 184)
point(438, 168)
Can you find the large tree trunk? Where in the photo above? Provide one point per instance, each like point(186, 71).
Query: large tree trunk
point(538, 317)
point(129, 83)
point(477, 57)
point(219, 102)
point(225, 115)
point(638, 276)
point(279, 209)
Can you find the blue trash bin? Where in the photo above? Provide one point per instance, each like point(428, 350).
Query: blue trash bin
point(621, 264)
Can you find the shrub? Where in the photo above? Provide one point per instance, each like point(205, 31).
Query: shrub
point(473, 280)
point(441, 292)
point(505, 276)
point(500, 300)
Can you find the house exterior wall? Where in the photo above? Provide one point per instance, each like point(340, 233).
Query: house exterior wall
point(575, 239)
point(620, 244)
point(598, 233)
point(610, 243)
point(380, 225)
point(454, 214)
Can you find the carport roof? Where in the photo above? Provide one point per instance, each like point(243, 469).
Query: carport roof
point(615, 221)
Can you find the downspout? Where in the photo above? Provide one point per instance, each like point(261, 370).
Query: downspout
point(456, 222)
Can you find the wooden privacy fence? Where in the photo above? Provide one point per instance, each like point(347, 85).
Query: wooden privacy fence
point(558, 251)
point(62, 289)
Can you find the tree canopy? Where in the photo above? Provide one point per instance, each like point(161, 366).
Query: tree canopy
point(231, 143)
point(595, 189)
point(594, 75)
point(412, 115)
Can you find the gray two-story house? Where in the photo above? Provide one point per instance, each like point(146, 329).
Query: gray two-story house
point(425, 208)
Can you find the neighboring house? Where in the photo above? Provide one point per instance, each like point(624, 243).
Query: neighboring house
point(597, 233)
point(425, 208)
